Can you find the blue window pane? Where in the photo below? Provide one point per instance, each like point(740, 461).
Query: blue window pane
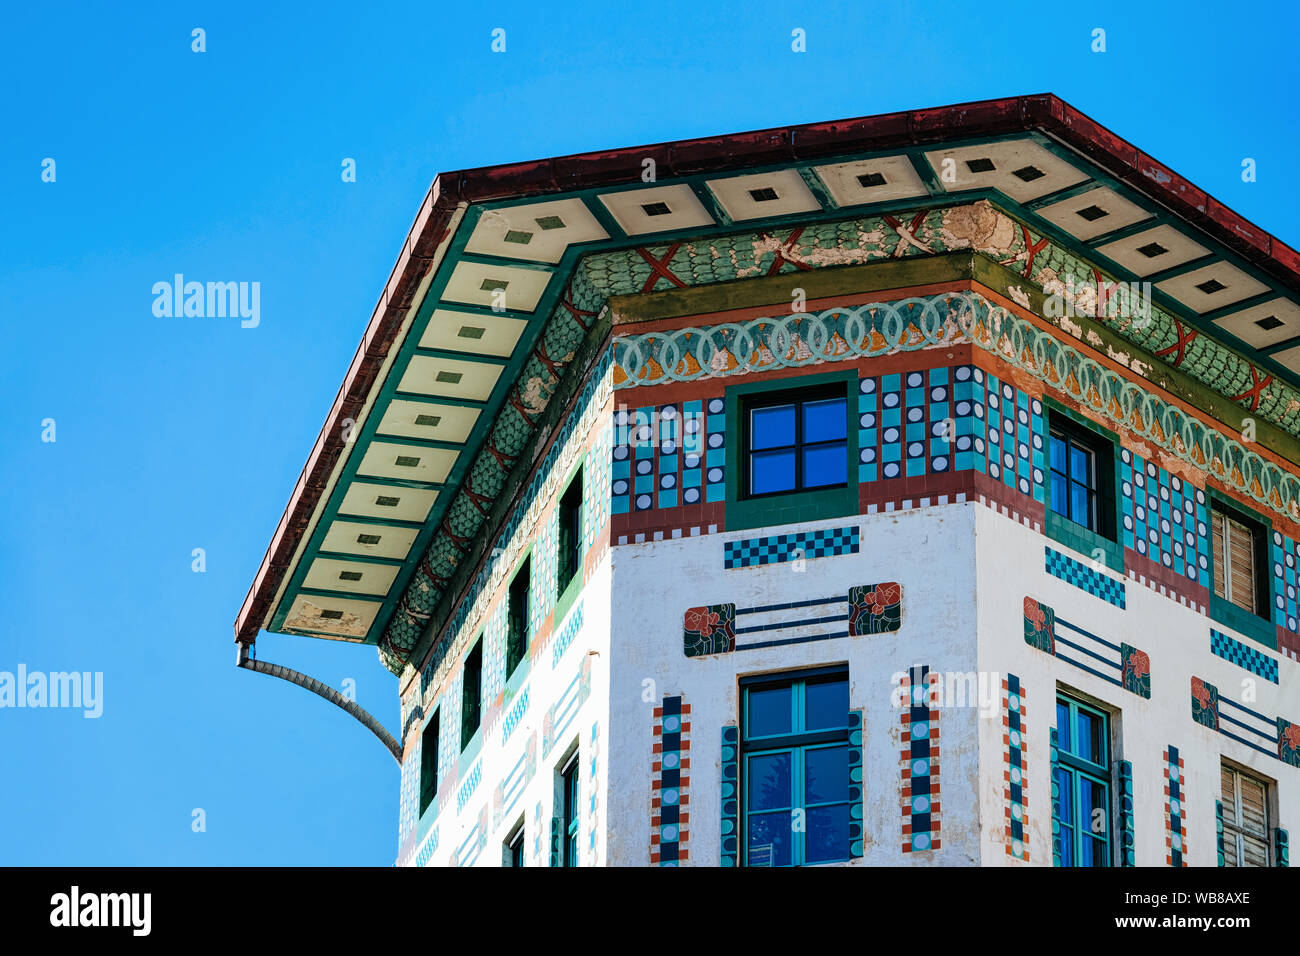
point(1098, 852)
point(826, 775)
point(827, 834)
point(1080, 463)
point(824, 421)
point(769, 782)
point(1079, 504)
point(1090, 738)
point(1067, 846)
point(1063, 725)
point(769, 712)
point(769, 839)
point(771, 427)
point(825, 465)
point(1060, 495)
point(1094, 797)
point(1057, 451)
point(826, 705)
point(771, 471)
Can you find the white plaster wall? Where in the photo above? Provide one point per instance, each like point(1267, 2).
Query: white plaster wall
point(929, 551)
point(546, 683)
point(1177, 638)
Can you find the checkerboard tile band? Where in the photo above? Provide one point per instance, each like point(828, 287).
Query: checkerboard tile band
point(1081, 576)
point(752, 552)
point(1230, 649)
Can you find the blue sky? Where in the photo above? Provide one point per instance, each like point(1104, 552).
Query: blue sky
point(174, 433)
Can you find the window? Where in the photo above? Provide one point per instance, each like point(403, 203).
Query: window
point(569, 565)
point(1245, 819)
point(429, 763)
point(796, 441)
point(1083, 779)
point(517, 616)
point(1240, 561)
point(570, 817)
point(471, 695)
point(1082, 476)
point(795, 768)
point(515, 847)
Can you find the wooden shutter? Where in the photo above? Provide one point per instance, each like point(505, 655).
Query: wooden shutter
point(1234, 561)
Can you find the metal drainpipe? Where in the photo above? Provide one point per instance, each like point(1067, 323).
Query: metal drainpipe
point(245, 660)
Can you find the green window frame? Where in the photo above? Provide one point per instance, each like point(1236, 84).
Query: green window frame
point(1099, 529)
point(1228, 514)
point(1246, 829)
point(518, 607)
point(568, 565)
point(795, 768)
point(429, 762)
point(787, 507)
point(1083, 779)
point(515, 847)
point(471, 694)
point(569, 785)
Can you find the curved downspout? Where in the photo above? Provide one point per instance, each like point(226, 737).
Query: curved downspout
point(245, 660)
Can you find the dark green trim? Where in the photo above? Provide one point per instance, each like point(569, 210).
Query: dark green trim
point(742, 513)
point(1255, 626)
point(1070, 533)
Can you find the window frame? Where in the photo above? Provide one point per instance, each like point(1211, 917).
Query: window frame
point(1077, 771)
point(797, 743)
point(432, 732)
point(1104, 446)
point(797, 398)
point(518, 639)
point(1257, 625)
point(786, 507)
point(514, 855)
point(568, 565)
point(467, 735)
point(570, 818)
point(1236, 830)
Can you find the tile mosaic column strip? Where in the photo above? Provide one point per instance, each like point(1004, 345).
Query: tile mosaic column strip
point(824, 543)
point(1085, 578)
point(1175, 814)
point(670, 787)
point(1015, 779)
point(1055, 757)
point(855, 784)
point(1127, 843)
point(1281, 848)
point(555, 840)
point(1230, 649)
point(919, 764)
point(730, 803)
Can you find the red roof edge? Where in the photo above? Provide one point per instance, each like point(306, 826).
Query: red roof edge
point(1044, 112)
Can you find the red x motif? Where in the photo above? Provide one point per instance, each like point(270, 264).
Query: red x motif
point(1253, 393)
point(781, 258)
point(1032, 249)
point(1185, 338)
point(659, 268)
